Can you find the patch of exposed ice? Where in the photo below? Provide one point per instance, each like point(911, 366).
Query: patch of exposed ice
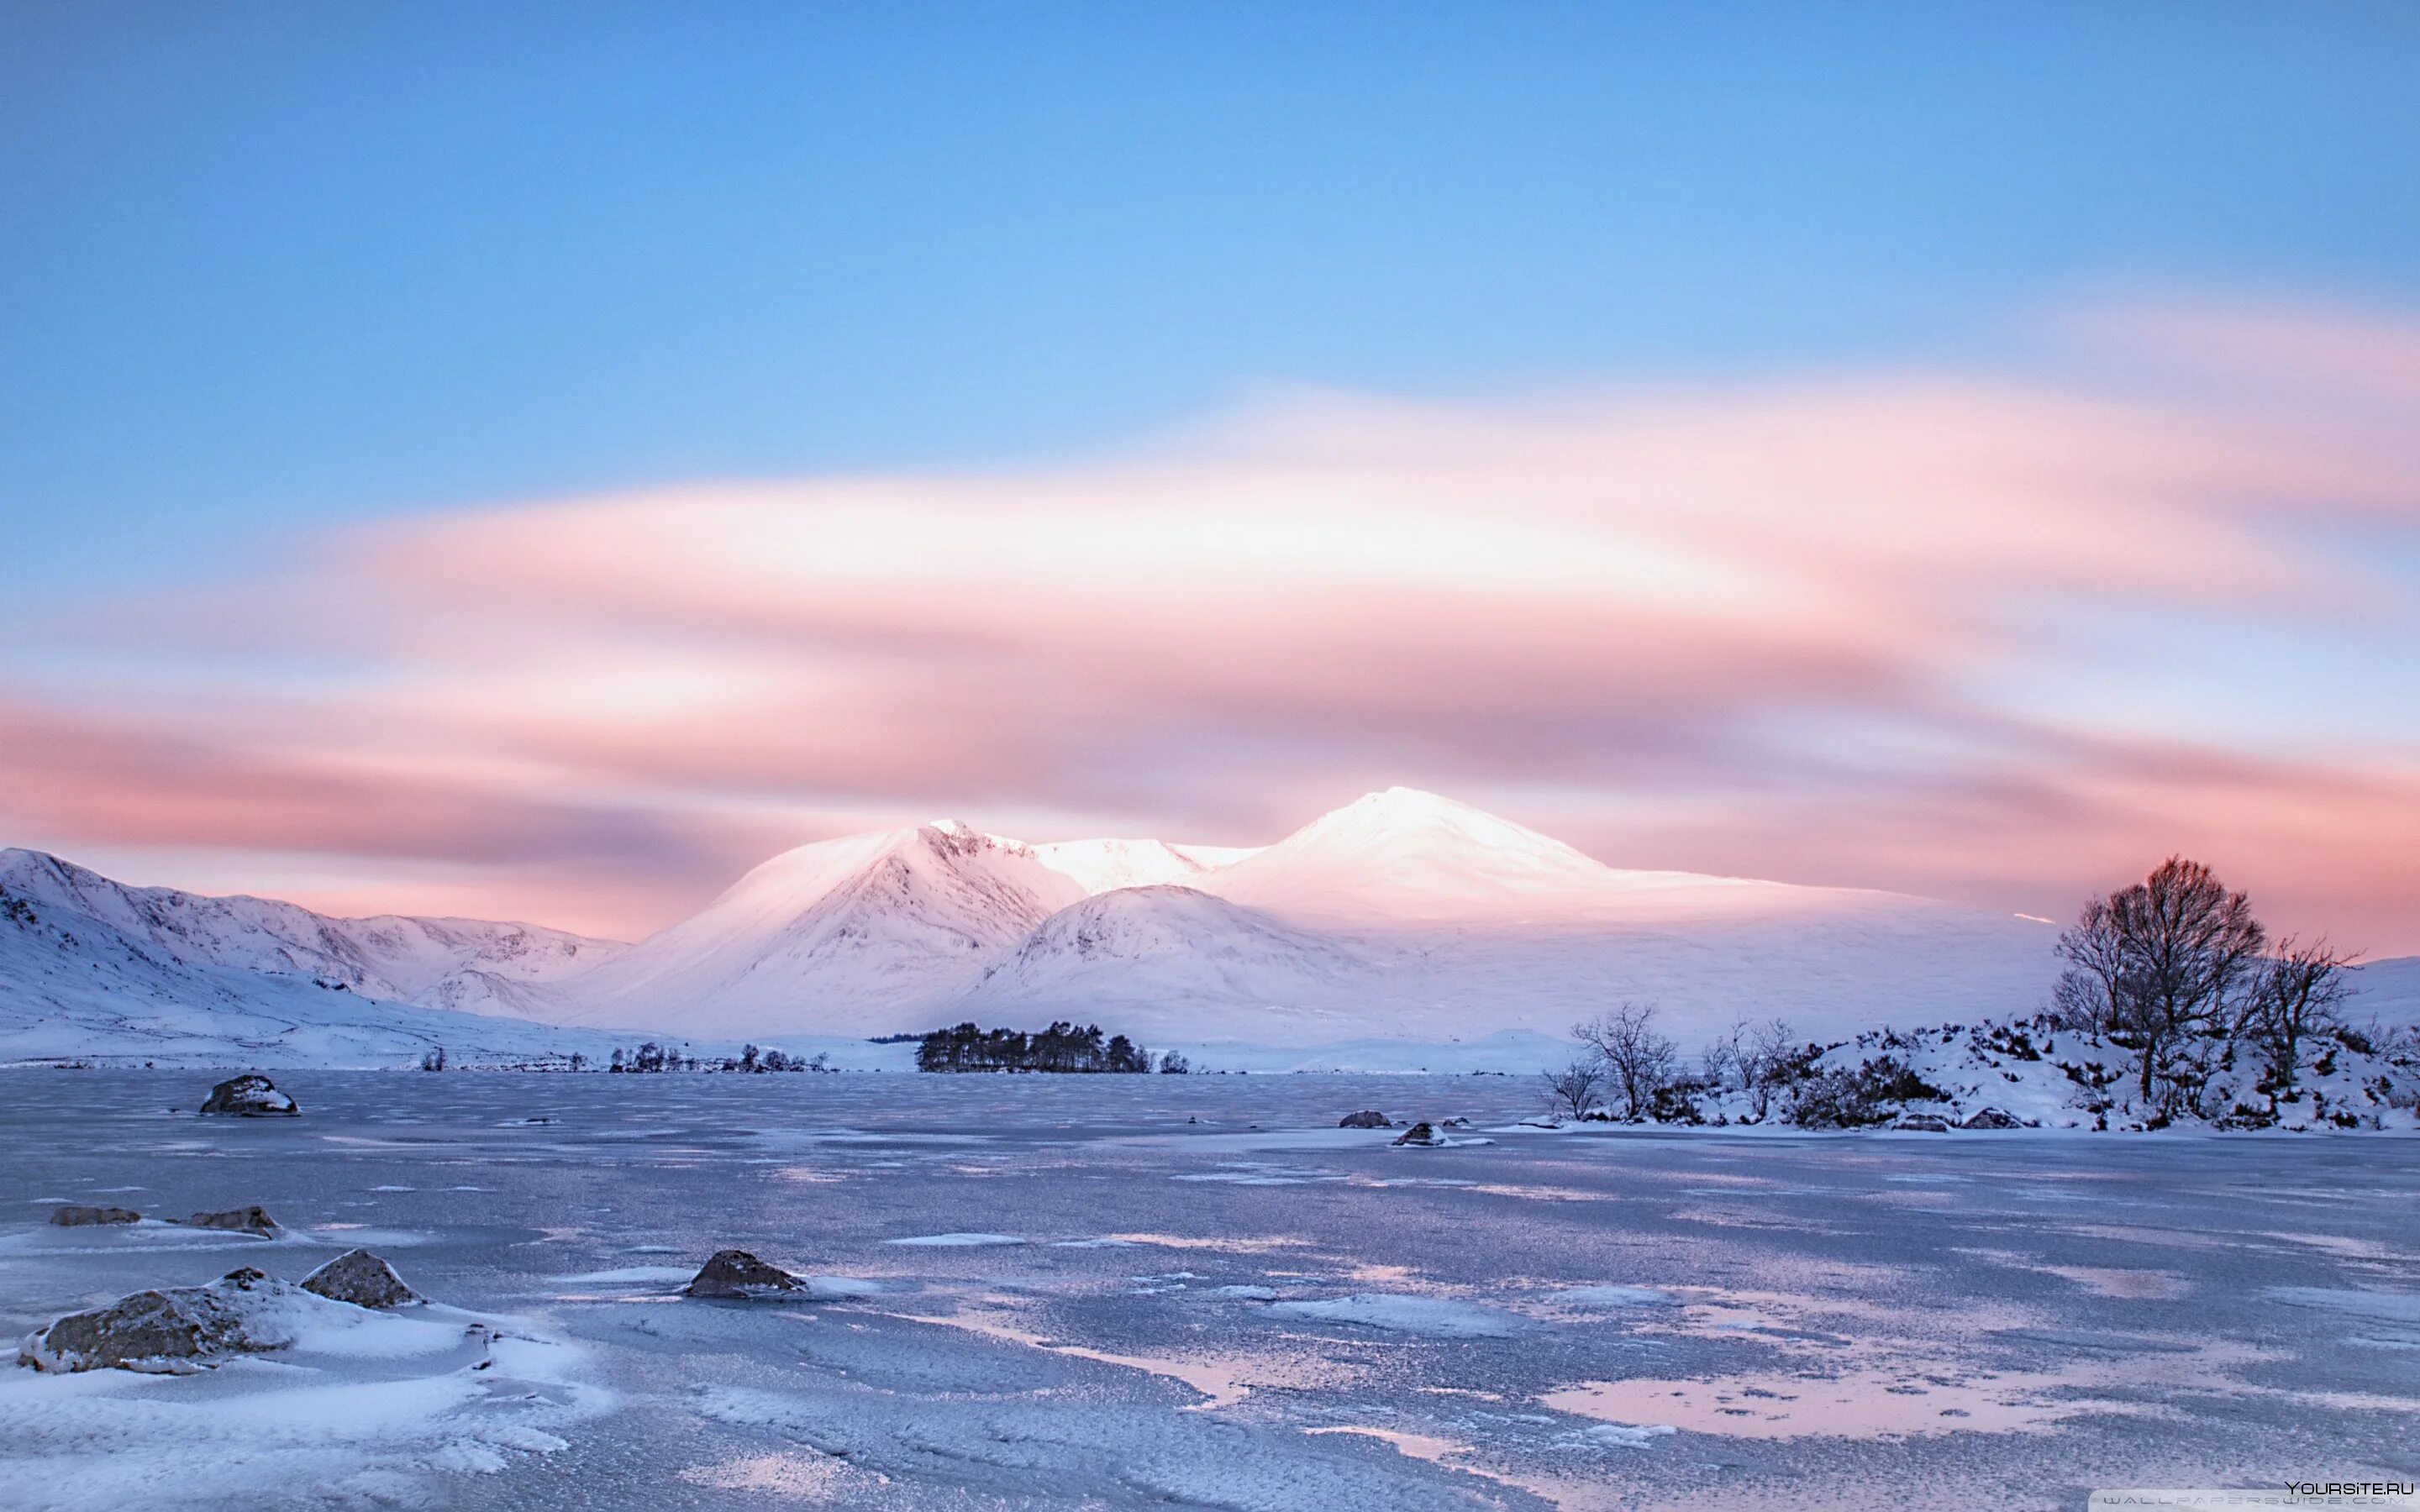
point(1622, 1435)
point(1613, 1296)
point(629, 1275)
point(956, 1241)
point(1261, 1174)
point(2385, 1306)
point(1398, 1313)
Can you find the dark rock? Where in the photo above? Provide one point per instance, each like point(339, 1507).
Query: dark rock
point(1368, 1119)
point(1991, 1119)
point(185, 1328)
point(1921, 1123)
point(361, 1278)
point(734, 1274)
point(1418, 1134)
point(250, 1097)
point(75, 1217)
point(252, 1220)
point(1454, 1123)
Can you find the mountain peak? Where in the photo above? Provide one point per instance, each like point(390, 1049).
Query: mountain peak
point(1402, 852)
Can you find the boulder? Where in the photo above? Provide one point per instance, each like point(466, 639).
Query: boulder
point(71, 1216)
point(735, 1274)
point(252, 1220)
point(1921, 1123)
point(1367, 1118)
point(250, 1097)
point(183, 1328)
point(1991, 1119)
point(361, 1278)
point(1418, 1134)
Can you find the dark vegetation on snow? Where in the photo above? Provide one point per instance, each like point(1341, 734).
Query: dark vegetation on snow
point(1061, 1047)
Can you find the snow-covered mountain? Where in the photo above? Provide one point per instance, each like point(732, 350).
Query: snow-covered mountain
point(1172, 964)
point(1105, 865)
point(140, 983)
point(1406, 857)
point(470, 965)
point(859, 936)
point(1400, 918)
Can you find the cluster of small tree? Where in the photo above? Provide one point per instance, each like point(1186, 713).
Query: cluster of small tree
point(1061, 1047)
point(1629, 1071)
point(2178, 970)
point(751, 1061)
point(651, 1057)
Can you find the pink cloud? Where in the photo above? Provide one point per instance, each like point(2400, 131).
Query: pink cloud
point(1760, 628)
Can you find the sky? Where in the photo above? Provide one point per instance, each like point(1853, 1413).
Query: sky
point(537, 461)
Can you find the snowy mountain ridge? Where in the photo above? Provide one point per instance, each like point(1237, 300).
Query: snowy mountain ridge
point(1402, 919)
point(469, 965)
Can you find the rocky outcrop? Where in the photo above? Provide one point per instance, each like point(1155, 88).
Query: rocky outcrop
point(1921, 1123)
point(361, 1278)
point(1991, 1119)
point(735, 1275)
point(183, 1328)
point(1420, 1135)
point(186, 1328)
point(71, 1216)
point(1367, 1118)
point(252, 1220)
point(250, 1097)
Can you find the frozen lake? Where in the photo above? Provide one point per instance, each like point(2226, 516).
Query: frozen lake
point(1051, 1291)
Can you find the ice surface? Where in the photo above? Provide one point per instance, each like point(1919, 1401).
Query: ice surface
point(1598, 1319)
point(1436, 1316)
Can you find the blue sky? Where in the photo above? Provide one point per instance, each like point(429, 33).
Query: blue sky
point(280, 264)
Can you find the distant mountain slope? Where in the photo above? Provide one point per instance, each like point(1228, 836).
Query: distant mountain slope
point(859, 936)
point(467, 965)
point(1172, 963)
point(76, 986)
point(1105, 865)
point(1401, 856)
point(2387, 991)
point(1402, 914)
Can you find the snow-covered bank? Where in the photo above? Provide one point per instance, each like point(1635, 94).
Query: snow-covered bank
point(2040, 1075)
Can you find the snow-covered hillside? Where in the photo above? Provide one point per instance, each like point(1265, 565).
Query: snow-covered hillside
point(467, 965)
point(1402, 915)
point(1182, 964)
point(861, 936)
point(1404, 857)
point(1105, 865)
point(76, 986)
point(2043, 1076)
point(1407, 916)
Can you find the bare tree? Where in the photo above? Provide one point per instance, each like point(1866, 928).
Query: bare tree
point(1725, 1059)
point(1575, 1086)
point(2296, 992)
point(2180, 950)
point(1637, 1059)
point(1764, 1060)
point(2092, 992)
